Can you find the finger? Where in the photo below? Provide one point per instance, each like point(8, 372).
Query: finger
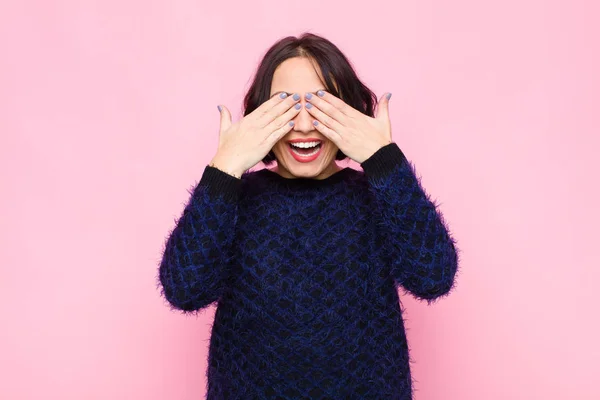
point(267, 105)
point(225, 118)
point(383, 107)
point(277, 110)
point(278, 133)
point(326, 97)
point(283, 119)
point(328, 132)
point(327, 108)
point(323, 117)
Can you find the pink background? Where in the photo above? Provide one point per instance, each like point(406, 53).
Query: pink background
point(108, 115)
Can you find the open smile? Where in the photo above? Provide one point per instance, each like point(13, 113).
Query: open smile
point(305, 150)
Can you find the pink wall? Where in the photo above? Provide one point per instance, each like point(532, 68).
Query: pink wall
point(108, 115)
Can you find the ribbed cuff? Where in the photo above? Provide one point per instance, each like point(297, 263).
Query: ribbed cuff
point(383, 161)
point(221, 183)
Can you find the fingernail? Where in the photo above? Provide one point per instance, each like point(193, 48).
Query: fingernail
point(298, 106)
point(219, 108)
point(283, 95)
point(320, 93)
point(291, 123)
point(308, 105)
point(308, 96)
point(315, 122)
point(389, 95)
point(296, 96)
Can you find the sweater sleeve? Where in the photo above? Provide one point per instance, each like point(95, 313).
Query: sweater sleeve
point(417, 243)
point(198, 250)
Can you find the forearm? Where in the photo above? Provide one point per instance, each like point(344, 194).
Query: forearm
point(418, 244)
point(198, 251)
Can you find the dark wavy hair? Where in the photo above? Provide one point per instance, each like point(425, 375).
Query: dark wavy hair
point(340, 78)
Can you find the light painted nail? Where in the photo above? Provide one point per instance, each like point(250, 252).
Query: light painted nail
point(308, 105)
point(283, 95)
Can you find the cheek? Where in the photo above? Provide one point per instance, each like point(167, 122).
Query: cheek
point(279, 146)
point(332, 148)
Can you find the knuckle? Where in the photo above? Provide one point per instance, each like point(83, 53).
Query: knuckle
point(278, 125)
point(269, 114)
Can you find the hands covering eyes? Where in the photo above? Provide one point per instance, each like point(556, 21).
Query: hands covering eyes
point(356, 134)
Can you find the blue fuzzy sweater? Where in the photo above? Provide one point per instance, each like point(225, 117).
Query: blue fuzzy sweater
point(305, 275)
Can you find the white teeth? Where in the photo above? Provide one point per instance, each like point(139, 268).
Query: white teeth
point(305, 145)
point(306, 155)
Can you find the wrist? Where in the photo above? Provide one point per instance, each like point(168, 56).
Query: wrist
point(226, 167)
point(384, 160)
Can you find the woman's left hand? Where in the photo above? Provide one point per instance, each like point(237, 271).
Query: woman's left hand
point(356, 134)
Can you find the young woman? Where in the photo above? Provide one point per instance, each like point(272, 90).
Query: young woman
point(304, 259)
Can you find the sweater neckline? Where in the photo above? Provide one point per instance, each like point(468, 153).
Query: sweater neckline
point(306, 182)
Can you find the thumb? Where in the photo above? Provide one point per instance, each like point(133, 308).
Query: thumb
point(225, 118)
point(383, 107)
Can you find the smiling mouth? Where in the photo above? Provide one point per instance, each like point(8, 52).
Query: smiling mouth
point(306, 149)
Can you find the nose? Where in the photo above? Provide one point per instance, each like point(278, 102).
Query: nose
point(303, 122)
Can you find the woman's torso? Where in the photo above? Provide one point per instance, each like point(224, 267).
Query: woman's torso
point(309, 298)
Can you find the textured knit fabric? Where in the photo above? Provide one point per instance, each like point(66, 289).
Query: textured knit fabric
point(305, 274)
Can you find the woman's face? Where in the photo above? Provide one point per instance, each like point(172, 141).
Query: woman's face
point(299, 75)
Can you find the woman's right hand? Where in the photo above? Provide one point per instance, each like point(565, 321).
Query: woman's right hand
point(243, 144)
